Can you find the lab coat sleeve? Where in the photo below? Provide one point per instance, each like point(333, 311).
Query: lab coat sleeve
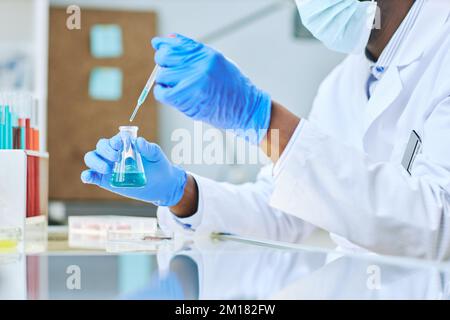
point(376, 205)
point(239, 209)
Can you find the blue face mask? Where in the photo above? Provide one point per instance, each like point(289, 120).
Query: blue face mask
point(342, 25)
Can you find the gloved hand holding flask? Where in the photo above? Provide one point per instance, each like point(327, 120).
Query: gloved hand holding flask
point(165, 182)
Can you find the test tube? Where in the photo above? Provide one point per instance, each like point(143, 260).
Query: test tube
point(28, 102)
point(16, 131)
point(2, 124)
point(2, 127)
point(36, 147)
point(22, 125)
point(8, 134)
point(8, 109)
point(14, 121)
point(35, 125)
point(8, 124)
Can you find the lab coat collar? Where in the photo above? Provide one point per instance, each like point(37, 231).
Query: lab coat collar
point(387, 91)
point(434, 14)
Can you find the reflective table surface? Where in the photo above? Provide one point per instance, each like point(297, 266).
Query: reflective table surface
point(223, 267)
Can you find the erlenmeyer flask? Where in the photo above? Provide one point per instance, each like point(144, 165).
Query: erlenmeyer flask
point(128, 171)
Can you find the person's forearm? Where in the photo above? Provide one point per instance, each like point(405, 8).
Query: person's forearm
point(188, 204)
point(282, 126)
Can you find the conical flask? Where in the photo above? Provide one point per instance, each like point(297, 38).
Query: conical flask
point(129, 171)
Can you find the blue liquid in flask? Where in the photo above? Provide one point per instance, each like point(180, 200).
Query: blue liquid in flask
point(131, 178)
point(128, 171)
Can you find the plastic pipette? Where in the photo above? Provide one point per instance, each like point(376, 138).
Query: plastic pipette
point(145, 92)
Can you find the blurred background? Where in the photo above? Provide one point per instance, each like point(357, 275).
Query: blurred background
point(88, 77)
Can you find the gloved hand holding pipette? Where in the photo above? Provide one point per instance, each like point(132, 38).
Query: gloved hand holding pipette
point(166, 182)
point(204, 85)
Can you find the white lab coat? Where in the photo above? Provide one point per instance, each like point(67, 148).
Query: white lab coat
point(342, 169)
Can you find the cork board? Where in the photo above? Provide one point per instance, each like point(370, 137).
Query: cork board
point(75, 120)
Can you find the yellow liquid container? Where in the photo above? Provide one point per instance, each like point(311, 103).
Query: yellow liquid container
point(9, 239)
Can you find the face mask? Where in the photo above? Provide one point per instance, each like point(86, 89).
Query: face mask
point(342, 25)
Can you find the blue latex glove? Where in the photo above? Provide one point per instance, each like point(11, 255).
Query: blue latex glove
point(165, 182)
point(204, 85)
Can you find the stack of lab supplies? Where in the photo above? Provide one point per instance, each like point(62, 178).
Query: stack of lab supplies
point(19, 124)
point(92, 232)
point(23, 166)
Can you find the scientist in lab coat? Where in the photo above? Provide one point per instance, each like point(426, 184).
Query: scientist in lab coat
point(371, 165)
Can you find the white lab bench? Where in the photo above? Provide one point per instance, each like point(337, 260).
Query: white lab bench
point(221, 267)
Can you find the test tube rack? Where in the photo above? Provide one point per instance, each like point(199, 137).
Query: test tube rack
point(24, 197)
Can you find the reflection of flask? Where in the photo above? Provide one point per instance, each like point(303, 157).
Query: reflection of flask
point(128, 171)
